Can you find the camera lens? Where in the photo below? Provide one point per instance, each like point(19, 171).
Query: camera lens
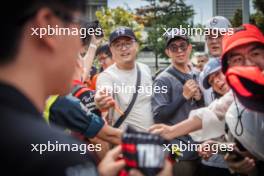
point(92, 28)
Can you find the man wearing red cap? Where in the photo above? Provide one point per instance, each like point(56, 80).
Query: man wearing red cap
point(246, 48)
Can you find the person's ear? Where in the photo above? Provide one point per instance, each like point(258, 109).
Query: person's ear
point(189, 50)
point(136, 46)
point(113, 53)
point(111, 49)
point(167, 52)
point(43, 20)
point(190, 46)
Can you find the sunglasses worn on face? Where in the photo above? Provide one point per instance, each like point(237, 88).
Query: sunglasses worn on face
point(176, 48)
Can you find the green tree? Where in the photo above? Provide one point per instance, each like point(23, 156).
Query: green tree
point(110, 19)
point(259, 5)
point(258, 17)
point(161, 14)
point(237, 19)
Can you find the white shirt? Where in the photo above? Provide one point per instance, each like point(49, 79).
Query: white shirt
point(253, 128)
point(122, 83)
point(213, 118)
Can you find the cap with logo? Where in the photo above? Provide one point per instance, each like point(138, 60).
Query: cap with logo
point(175, 34)
point(211, 67)
point(121, 32)
point(218, 22)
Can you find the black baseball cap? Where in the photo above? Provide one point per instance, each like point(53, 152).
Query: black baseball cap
point(175, 34)
point(121, 32)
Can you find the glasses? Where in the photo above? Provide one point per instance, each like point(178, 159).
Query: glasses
point(176, 48)
point(103, 59)
point(120, 45)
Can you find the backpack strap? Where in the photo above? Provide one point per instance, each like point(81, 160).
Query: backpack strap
point(178, 77)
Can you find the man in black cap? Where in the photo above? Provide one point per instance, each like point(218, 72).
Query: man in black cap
point(121, 80)
point(183, 94)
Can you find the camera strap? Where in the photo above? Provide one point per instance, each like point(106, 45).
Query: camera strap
point(178, 77)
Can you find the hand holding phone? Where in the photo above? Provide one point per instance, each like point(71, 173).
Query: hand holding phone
point(240, 162)
point(235, 153)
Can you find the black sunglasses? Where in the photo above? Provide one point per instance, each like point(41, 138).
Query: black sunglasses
point(176, 48)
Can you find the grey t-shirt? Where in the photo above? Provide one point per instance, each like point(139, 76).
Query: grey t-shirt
point(171, 107)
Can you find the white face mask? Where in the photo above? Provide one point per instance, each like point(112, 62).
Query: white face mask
point(249, 131)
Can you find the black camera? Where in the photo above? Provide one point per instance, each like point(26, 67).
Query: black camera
point(92, 28)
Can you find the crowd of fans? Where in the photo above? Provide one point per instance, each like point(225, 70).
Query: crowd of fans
point(51, 91)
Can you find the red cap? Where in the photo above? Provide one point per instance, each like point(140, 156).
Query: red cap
point(245, 34)
point(248, 84)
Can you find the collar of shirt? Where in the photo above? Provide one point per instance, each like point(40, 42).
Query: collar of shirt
point(185, 76)
point(77, 82)
point(11, 97)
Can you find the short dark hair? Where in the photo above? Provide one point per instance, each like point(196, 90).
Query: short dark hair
point(17, 14)
point(175, 39)
point(104, 49)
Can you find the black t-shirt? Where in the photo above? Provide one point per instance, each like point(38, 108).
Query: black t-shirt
point(69, 112)
point(24, 133)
